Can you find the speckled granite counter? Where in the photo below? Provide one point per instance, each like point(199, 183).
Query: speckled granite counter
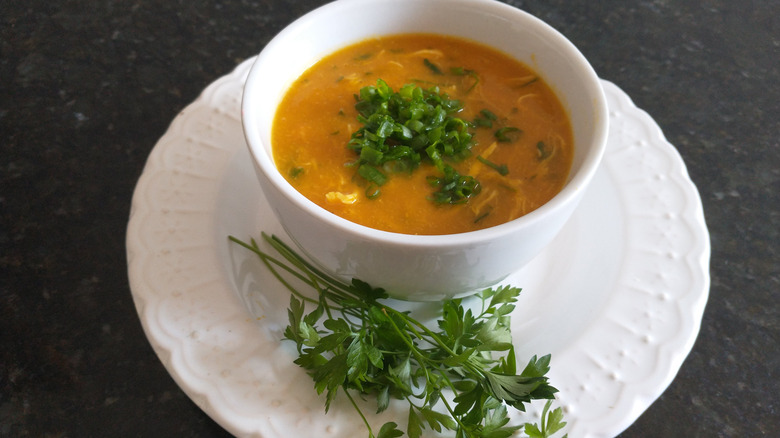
point(89, 86)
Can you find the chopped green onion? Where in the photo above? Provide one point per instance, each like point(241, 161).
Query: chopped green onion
point(454, 188)
point(486, 119)
point(401, 129)
point(372, 192)
point(295, 172)
point(501, 134)
point(482, 216)
point(372, 174)
point(544, 152)
point(433, 67)
point(460, 71)
point(529, 82)
point(488, 114)
point(500, 168)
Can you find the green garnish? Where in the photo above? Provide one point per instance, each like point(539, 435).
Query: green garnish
point(502, 134)
point(349, 339)
point(375, 179)
point(460, 71)
point(433, 67)
point(454, 188)
point(529, 82)
point(295, 172)
point(485, 119)
point(552, 422)
point(500, 168)
point(544, 152)
point(482, 216)
point(404, 128)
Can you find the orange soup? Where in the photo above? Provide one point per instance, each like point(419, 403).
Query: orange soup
point(521, 139)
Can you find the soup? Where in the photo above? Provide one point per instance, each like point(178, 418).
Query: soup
point(520, 144)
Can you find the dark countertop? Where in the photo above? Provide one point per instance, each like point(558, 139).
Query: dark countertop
point(88, 87)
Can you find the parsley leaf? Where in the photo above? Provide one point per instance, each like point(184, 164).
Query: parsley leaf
point(552, 422)
point(350, 340)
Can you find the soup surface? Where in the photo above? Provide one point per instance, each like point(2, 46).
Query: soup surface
point(521, 149)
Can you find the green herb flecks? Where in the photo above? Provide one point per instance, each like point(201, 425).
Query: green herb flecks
point(500, 168)
point(482, 216)
point(432, 67)
point(453, 188)
point(544, 151)
point(485, 119)
point(533, 80)
point(402, 129)
point(295, 172)
point(504, 134)
point(507, 134)
point(460, 376)
point(460, 71)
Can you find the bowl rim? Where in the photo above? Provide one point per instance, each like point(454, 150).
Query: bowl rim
point(572, 189)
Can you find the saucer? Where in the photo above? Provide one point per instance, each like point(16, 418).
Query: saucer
point(617, 298)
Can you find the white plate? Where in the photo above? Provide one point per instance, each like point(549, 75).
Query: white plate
point(617, 298)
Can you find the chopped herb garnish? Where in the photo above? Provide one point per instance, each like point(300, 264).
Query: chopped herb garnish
point(423, 81)
point(460, 71)
point(544, 152)
point(402, 129)
point(486, 113)
point(433, 67)
point(502, 134)
point(482, 216)
point(481, 122)
point(529, 82)
point(500, 168)
point(349, 339)
point(295, 172)
point(485, 119)
point(372, 191)
point(454, 188)
point(372, 174)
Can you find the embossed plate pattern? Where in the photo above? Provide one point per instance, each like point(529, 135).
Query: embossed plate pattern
point(617, 298)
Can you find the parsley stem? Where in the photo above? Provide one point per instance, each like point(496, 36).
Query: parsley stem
point(360, 412)
point(405, 337)
point(425, 329)
point(269, 260)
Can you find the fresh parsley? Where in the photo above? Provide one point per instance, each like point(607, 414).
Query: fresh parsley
point(460, 375)
point(485, 119)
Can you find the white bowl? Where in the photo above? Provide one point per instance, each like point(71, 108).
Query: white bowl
point(423, 268)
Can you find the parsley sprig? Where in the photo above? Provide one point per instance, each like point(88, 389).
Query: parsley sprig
point(401, 129)
point(460, 375)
